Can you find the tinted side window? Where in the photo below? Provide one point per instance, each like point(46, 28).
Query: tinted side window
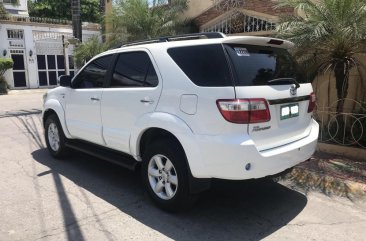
point(92, 76)
point(205, 65)
point(134, 69)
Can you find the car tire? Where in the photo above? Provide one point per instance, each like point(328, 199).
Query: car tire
point(55, 137)
point(166, 176)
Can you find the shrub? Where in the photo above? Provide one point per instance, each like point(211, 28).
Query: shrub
point(5, 64)
point(3, 86)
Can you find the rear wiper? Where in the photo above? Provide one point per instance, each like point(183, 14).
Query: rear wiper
point(291, 80)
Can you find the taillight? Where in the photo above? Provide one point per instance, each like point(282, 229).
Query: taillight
point(312, 101)
point(244, 111)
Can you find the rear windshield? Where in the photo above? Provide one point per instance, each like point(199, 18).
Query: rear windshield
point(257, 65)
point(205, 65)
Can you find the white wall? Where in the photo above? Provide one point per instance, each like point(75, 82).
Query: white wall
point(30, 44)
point(5, 46)
point(31, 61)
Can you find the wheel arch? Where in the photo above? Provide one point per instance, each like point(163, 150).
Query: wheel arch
point(46, 114)
point(151, 125)
point(153, 134)
point(55, 107)
point(164, 125)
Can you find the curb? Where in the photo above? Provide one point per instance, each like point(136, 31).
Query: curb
point(344, 151)
point(27, 91)
point(329, 185)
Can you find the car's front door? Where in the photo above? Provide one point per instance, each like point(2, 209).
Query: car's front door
point(83, 101)
point(134, 90)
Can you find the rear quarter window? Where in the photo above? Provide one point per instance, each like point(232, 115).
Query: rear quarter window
point(134, 69)
point(205, 65)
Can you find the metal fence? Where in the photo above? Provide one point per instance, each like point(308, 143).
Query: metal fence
point(238, 22)
point(346, 128)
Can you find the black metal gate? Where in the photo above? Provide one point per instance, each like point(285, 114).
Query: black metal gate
point(19, 72)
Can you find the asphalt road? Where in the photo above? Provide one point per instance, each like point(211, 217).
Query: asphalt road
point(84, 198)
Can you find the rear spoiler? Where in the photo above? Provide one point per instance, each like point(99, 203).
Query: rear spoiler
point(263, 41)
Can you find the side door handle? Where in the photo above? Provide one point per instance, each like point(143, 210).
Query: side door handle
point(147, 101)
point(94, 99)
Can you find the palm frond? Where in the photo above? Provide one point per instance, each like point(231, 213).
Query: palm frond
point(328, 35)
point(142, 19)
point(88, 49)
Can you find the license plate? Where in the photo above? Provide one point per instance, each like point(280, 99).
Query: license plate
point(289, 111)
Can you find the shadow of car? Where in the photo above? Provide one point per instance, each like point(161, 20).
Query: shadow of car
point(230, 210)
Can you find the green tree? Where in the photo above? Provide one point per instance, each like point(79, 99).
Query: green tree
point(328, 34)
point(5, 64)
point(134, 20)
point(144, 19)
point(2, 9)
point(88, 49)
point(90, 9)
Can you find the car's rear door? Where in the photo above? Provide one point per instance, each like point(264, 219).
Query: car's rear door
point(134, 90)
point(270, 73)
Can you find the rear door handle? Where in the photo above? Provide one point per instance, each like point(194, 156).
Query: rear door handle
point(147, 101)
point(94, 99)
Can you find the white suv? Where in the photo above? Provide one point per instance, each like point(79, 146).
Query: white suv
point(188, 108)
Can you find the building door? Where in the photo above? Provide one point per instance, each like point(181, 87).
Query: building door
point(19, 72)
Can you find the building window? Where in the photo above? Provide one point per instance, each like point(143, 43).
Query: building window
point(15, 34)
point(11, 1)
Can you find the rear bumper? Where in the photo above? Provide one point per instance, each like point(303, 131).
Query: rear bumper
point(226, 157)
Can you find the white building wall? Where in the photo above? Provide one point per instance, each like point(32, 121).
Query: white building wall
point(4, 47)
point(54, 45)
point(30, 61)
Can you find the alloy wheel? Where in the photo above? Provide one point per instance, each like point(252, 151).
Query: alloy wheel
point(163, 177)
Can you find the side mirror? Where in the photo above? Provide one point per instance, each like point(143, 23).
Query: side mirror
point(65, 80)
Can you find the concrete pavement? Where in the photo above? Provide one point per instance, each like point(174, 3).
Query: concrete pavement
point(84, 198)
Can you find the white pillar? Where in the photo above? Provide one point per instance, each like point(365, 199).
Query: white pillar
point(30, 61)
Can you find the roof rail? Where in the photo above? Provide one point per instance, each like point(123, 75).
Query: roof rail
point(191, 36)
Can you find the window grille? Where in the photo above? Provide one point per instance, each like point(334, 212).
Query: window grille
point(15, 34)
